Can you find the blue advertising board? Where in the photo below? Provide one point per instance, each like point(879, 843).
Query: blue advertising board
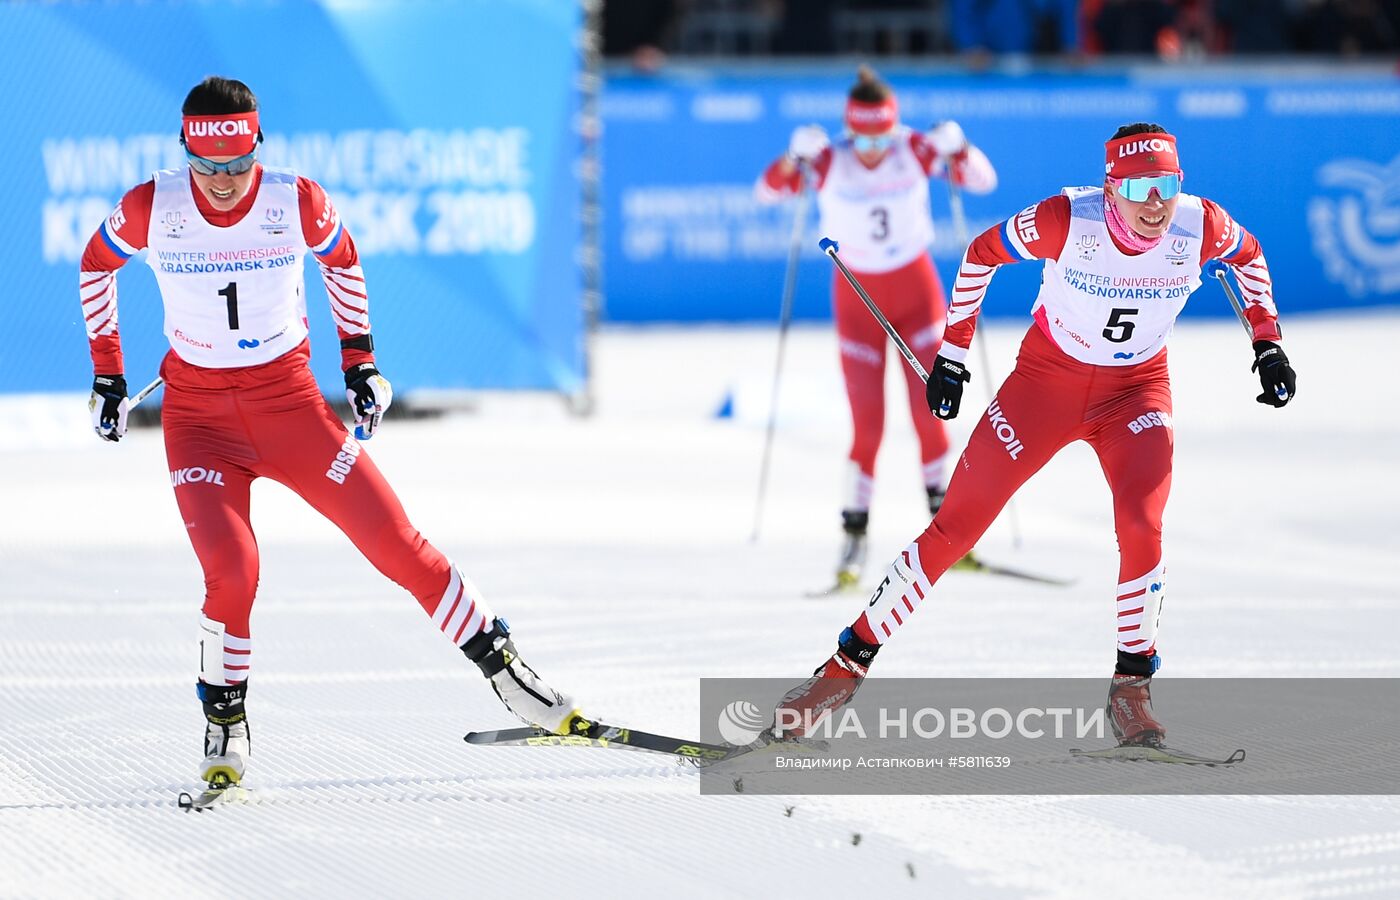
point(1308, 162)
point(446, 134)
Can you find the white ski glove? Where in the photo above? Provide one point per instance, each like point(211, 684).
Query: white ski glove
point(369, 394)
point(808, 142)
point(947, 138)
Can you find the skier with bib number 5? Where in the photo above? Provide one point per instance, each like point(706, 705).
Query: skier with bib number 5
point(1120, 261)
point(226, 237)
point(872, 188)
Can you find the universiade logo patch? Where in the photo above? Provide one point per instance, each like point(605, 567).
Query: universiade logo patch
point(1355, 225)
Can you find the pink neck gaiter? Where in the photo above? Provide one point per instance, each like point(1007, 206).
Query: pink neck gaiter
point(1122, 232)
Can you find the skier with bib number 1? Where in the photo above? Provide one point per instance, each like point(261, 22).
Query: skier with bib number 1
point(226, 237)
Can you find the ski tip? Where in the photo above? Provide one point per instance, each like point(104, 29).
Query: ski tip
point(496, 737)
point(828, 245)
point(212, 797)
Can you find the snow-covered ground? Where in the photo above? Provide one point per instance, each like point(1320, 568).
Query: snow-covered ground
point(619, 546)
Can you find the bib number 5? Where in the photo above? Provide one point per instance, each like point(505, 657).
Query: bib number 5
point(1120, 327)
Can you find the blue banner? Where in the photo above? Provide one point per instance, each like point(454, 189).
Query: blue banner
point(1310, 164)
point(446, 133)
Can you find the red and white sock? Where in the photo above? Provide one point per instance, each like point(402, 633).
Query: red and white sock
point(857, 487)
point(901, 591)
point(1139, 609)
point(224, 658)
point(936, 471)
point(461, 612)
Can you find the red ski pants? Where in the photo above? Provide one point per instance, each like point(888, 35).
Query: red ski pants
point(912, 299)
point(226, 427)
point(1048, 401)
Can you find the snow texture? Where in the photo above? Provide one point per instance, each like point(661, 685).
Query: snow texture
point(618, 546)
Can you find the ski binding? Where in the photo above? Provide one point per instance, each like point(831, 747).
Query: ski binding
point(219, 792)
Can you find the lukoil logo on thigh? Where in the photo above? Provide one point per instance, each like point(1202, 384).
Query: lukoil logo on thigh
point(1004, 431)
point(196, 475)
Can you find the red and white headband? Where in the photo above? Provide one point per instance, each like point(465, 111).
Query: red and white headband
point(871, 118)
point(1153, 153)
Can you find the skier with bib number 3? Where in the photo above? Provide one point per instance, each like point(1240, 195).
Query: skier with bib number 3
point(226, 238)
point(872, 189)
point(1120, 261)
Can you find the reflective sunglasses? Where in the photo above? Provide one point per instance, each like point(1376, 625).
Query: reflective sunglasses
point(1139, 189)
point(867, 143)
point(236, 166)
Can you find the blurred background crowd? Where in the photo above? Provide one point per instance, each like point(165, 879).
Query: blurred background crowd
point(980, 31)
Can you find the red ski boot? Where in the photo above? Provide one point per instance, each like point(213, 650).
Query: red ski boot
point(831, 686)
point(1130, 711)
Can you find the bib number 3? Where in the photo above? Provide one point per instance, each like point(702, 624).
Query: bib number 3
point(882, 223)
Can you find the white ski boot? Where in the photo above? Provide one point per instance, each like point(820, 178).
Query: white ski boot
point(227, 742)
point(517, 685)
point(848, 571)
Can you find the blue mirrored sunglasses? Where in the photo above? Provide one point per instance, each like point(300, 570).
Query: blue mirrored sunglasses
point(1139, 189)
point(236, 166)
point(866, 143)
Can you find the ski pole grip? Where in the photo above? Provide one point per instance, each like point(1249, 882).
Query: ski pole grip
point(828, 245)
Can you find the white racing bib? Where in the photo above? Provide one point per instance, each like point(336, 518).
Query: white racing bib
point(233, 296)
point(1106, 308)
point(879, 216)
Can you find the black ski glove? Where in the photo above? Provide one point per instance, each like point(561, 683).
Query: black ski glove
point(1275, 374)
point(369, 394)
point(108, 405)
point(945, 386)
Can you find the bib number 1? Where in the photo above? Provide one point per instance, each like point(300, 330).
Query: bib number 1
point(230, 294)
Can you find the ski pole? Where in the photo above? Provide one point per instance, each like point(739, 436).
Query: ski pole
point(799, 221)
point(1218, 270)
point(830, 247)
point(145, 392)
point(955, 204)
